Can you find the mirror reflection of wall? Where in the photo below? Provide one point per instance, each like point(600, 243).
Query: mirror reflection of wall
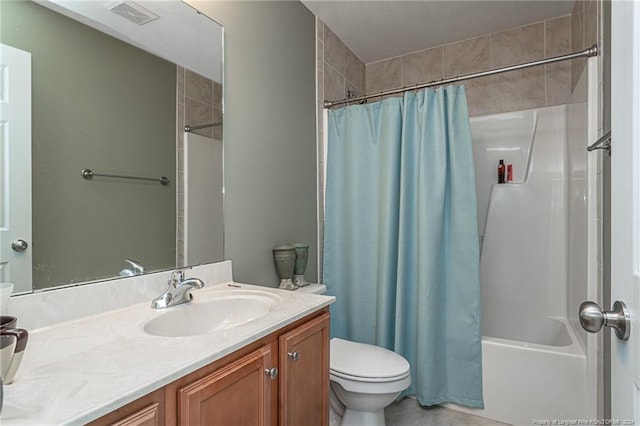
point(103, 104)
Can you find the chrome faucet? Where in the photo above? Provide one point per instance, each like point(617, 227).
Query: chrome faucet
point(136, 269)
point(179, 291)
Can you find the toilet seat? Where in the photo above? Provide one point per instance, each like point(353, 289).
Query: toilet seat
point(368, 379)
point(366, 363)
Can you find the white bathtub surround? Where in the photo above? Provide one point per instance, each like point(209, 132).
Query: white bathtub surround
point(54, 306)
point(75, 372)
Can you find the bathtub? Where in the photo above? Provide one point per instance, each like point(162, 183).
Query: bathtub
point(537, 380)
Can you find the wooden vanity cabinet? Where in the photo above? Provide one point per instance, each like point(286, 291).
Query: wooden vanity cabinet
point(237, 394)
point(281, 379)
point(146, 411)
point(304, 374)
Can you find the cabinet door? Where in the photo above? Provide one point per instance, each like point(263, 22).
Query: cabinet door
point(146, 411)
point(304, 374)
point(238, 394)
point(148, 416)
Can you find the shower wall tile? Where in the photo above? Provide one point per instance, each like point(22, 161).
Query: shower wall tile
point(353, 71)
point(558, 83)
point(558, 36)
point(591, 8)
point(577, 40)
point(334, 87)
point(384, 75)
point(518, 90)
point(467, 56)
point(217, 118)
point(198, 87)
point(198, 113)
point(335, 52)
point(516, 46)
point(480, 96)
point(338, 69)
point(545, 86)
point(217, 95)
point(423, 66)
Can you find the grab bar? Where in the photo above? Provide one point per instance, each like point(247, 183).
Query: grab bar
point(88, 174)
point(604, 142)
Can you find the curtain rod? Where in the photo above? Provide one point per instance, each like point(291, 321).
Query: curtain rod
point(586, 53)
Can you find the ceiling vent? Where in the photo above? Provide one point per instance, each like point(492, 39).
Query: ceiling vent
point(132, 12)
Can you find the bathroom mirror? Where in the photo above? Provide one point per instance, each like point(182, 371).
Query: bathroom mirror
point(113, 85)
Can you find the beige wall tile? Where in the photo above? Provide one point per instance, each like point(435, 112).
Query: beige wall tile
point(335, 52)
point(480, 96)
point(422, 67)
point(577, 26)
point(383, 75)
point(197, 113)
point(198, 87)
point(217, 118)
point(353, 71)
point(558, 36)
point(333, 84)
point(517, 90)
point(348, 85)
point(467, 56)
point(558, 83)
point(518, 45)
point(217, 95)
point(591, 22)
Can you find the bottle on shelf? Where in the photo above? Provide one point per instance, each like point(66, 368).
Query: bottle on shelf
point(501, 172)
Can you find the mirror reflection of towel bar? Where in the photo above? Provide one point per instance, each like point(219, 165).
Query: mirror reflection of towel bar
point(188, 128)
point(88, 174)
point(604, 142)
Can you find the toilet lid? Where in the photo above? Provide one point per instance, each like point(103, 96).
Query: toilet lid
point(362, 360)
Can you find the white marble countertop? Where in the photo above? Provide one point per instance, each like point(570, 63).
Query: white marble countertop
point(77, 371)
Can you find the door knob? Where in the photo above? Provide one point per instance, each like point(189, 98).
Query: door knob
point(19, 245)
point(592, 318)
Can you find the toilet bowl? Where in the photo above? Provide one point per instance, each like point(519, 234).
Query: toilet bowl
point(364, 379)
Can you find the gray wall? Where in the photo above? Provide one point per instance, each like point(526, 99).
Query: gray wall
point(269, 133)
point(84, 230)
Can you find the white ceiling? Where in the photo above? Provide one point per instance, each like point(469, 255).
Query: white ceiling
point(181, 35)
point(376, 30)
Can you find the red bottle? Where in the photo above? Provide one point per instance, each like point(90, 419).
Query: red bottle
point(509, 173)
point(501, 172)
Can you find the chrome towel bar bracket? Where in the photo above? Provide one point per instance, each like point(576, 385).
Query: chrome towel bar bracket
point(88, 174)
point(604, 142)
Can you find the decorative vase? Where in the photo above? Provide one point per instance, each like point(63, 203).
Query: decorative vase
point(284, 258)
point(302, 255)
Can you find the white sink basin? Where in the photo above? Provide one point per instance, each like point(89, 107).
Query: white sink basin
point(224, 310)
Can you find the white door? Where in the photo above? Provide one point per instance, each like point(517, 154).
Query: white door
point(625, 204)
point(15, 167)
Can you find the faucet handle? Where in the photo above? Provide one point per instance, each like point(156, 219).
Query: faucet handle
point(177, 276)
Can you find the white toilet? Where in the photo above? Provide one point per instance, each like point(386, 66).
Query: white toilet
point(364, 379)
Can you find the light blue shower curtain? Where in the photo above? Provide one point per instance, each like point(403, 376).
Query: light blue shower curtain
point(401, 248)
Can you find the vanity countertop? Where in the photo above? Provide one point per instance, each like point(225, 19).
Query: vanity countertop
point(78, 371)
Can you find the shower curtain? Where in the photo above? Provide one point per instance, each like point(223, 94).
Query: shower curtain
point(401, 248)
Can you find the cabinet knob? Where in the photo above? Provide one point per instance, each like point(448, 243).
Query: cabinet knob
point(271, 372)
point(295, 356)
